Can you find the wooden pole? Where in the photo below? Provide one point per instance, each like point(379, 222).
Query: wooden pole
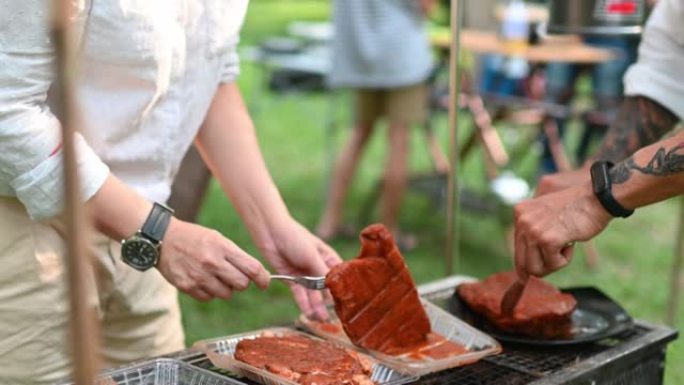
point(452, 238)
point(676, 273)
point(83, 336)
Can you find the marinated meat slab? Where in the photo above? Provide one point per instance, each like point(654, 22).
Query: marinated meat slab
point(543, 311)
point(376, 299)
point(305, 360)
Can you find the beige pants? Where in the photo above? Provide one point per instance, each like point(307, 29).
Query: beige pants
point(139, 312)
point(406, 105)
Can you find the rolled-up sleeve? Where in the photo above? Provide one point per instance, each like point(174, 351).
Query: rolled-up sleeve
point(30, 135)
point(231, 61)
point(659, 72)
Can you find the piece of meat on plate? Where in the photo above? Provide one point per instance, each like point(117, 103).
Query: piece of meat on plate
point(375, 297)
point(543, 311)
point(305, 360)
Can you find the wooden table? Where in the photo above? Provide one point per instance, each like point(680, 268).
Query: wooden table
point(562, 48)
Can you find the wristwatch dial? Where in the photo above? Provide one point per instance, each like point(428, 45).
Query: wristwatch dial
point(140, 253)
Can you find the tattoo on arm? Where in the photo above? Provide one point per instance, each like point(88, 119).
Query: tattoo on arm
point(664, 163)
point(640, 122)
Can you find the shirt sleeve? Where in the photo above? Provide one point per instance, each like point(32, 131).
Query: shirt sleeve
point(658, 72)
point(30, 135)
point(231, 65)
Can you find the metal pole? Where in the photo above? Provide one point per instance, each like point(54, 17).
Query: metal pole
point(83, 336)
point(452, 238)
point(676, 273)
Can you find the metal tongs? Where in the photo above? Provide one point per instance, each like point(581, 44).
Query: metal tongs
point(314, 283)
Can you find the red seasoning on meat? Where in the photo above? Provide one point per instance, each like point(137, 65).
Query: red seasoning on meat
point(305, 360)
point(543, 311)
point(376, 299)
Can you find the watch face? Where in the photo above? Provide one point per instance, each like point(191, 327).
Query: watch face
point(140, 253)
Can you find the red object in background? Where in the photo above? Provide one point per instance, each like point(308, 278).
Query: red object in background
point(622, 7)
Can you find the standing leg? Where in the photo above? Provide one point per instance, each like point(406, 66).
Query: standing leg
point(394, 183)
point(343, 172)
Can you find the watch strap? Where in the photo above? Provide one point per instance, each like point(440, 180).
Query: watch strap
point(157, 222)
point(605, 195)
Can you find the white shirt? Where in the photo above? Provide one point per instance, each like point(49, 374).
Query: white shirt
point(148, 73)
point(659, 72)
point(379, 44)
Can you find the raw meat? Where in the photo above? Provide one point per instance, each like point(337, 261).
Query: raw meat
point(543, 311)
point(376, 298)
point(305, 360)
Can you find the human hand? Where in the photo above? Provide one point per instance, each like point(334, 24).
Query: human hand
point(559, 181)
point(204, 264)
point(546, 227)
point(292, 249)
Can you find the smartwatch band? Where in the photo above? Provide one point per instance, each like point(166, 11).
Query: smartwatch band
point(603, 190)
point(157, 222)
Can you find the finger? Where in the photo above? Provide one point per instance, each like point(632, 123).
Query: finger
point(302, 300)
point(200, 295)
point(534, 262)
point(328, 254)
point(568, 251)
point(248, 265)
point(214, 287)
point(317, 304)
point(520, 255)
point(327, 297)
point(553, 259)
point(231, 276)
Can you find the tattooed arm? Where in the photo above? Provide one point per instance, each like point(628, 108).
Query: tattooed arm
point(641, 121)
point(652, 174)
point(544, 226)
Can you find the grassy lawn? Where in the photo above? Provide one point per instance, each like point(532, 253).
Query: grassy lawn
point(635, 254)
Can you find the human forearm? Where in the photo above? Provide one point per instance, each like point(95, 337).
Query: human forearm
point(117, 210)
point(228, 144)
point(652, 174)
point(640, 122)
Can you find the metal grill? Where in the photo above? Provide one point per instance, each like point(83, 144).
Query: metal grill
point(540, 362)
point(635, 357)
point(481, 373)
point(647, 373)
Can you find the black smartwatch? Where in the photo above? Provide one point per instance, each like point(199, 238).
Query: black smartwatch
point(600, 180)
point(141, 250)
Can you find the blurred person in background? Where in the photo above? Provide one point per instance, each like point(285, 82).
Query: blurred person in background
point(154, 77)
point(381, 52)
point(607, 90)
point(634, 166)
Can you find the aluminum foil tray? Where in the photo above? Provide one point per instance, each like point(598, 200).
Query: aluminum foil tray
point(162, 371)
point(225, 346)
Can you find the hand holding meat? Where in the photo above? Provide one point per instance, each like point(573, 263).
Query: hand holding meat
point(291, 249)
point(546, 227)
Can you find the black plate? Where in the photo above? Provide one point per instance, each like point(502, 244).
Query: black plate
point(597, 317)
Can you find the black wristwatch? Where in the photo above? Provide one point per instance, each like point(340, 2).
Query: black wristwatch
point(141, 250)
point(600, 180)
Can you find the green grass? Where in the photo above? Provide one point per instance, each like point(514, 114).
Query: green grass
point(635, 254)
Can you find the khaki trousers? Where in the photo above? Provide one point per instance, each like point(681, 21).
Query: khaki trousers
point(139, 312)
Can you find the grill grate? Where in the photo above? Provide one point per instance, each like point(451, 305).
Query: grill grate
point(481, 373)
point(540, 362)
point(518, 364)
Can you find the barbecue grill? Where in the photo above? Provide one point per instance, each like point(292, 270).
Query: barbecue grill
point(635, 357)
